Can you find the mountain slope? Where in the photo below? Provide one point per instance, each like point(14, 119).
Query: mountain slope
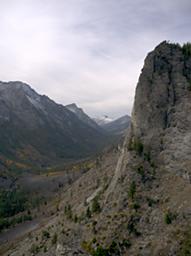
point(34, 129)
point(118, 126)
point(83, 116)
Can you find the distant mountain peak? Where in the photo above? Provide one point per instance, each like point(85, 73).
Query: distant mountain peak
point(72, 105)
point(74, 108)
point(83, 116)
point(17, 85)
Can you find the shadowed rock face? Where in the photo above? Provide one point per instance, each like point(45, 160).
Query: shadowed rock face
point(161, 115)
point(35, 128)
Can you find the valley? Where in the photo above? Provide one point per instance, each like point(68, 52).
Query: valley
point(132, 196)
point(95, 128)
point(44, 190)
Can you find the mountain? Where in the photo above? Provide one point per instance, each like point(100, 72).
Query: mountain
point(83, 116)
point(136, 199)
point(104, 124)
point(118, 126)
point(103, 120)
point(35, 130)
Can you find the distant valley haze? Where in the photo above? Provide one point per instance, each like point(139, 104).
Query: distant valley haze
point(86, 51)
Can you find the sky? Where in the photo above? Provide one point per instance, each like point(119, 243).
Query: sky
point(90, 52)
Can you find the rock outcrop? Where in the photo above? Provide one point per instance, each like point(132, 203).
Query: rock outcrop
point(161, 116)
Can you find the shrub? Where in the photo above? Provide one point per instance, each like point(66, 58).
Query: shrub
point(186, 48)
point(100, 251)
point(27, 217)
point(45, 249)
point(136, 145)
point(87, 247)
point(151, 202)
point(4, 223)
point(96, 206)
point(34, 249)
point(131, 226)
point(169, 217)
point(185, 249)
point(141, 172)
point(68, 211)
point(136, 206)
point(45, 234)
point(126, 243)
point(147, 156)
point(113, 249)
point(75, 218)
point(130, 144)
point(54, 239)
point(132, 190)
point(88, 213)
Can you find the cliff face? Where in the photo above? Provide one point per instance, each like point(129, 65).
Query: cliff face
point(161, 115)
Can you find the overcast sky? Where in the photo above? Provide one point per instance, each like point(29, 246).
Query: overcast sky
point(86, 51)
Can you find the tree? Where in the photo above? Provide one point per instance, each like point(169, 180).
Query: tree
point(88, 213)
point(96, 206)
point(132, 190)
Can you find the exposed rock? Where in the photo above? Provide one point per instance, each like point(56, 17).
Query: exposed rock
point(161, 116)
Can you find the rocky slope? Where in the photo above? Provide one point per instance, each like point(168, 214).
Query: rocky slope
point(137, 199)
point(34, 130)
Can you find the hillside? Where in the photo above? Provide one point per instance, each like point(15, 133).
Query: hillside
point(83, 116)
point(136, 201)
point(118, 126)
point(34, 130)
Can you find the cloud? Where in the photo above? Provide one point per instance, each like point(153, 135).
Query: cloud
point(85, 51)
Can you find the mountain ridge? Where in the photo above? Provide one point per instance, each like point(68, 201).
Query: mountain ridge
point(83, 116)
point(118, 126)
point(41, 129)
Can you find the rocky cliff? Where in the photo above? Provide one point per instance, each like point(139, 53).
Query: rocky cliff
point(161, 115)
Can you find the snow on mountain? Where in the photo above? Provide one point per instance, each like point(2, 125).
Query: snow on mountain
point(103, 120)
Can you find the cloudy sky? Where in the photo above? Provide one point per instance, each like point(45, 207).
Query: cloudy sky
point(86, 51)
